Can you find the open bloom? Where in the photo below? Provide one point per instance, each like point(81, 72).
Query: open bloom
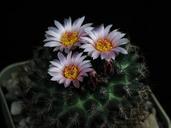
point(70, 69)
point(67, 36)
point(102, 42)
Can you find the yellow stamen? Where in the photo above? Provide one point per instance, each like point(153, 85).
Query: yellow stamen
point(69, 38)
point(103, 45)
point(71, 72)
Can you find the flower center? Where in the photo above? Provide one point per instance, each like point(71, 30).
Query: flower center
point(69, 38)
point(71, 72)
point(103, 45)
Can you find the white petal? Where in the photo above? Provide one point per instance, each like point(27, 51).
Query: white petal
point(107, 29)
point(83, 30)
point(61, 48)
point(76, 83)
point(81, 59)
point(83, 63)
point(78, 22)
point(56, 49)
point(87, 26)
point(68, 24)
point(52, 44)
point(87, 63)
point(53, 29)
point(89, 48)
point(67, 50)
point(50, 39)
point(53, 69)
point(53, 73)
point(119, 36)
point(113, 34)
point(67, 83)
point(88, 40)
point(113, 56)
point(78, 57)
point(62, 80)
point(92, 35)
point(83, 74)
point(103, 55)
point(80, 78)
point(61, 57)
point(56, 78)
point(85, 66)
point(55, 63)
point(95, 54)
point(52, 33)
point(69, 56)
point(86, 70)
point(110, 55)
point(75, 54)
point(59, 25)
point(53, 79)
point(100, 31)
point(123, 41)
point(85, 46)
point(121, 50)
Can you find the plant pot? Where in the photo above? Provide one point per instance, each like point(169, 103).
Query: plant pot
point(162, 118)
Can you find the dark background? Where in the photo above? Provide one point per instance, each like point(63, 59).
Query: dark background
point(143, 21)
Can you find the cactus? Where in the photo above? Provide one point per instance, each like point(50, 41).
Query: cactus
point(116, 97)
point(112, 96)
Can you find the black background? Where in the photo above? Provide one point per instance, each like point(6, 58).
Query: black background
point(143, 21)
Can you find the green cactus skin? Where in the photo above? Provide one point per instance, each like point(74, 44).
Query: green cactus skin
point(115, 98)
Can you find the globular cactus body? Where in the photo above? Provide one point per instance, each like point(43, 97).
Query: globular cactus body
point(112, 98)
